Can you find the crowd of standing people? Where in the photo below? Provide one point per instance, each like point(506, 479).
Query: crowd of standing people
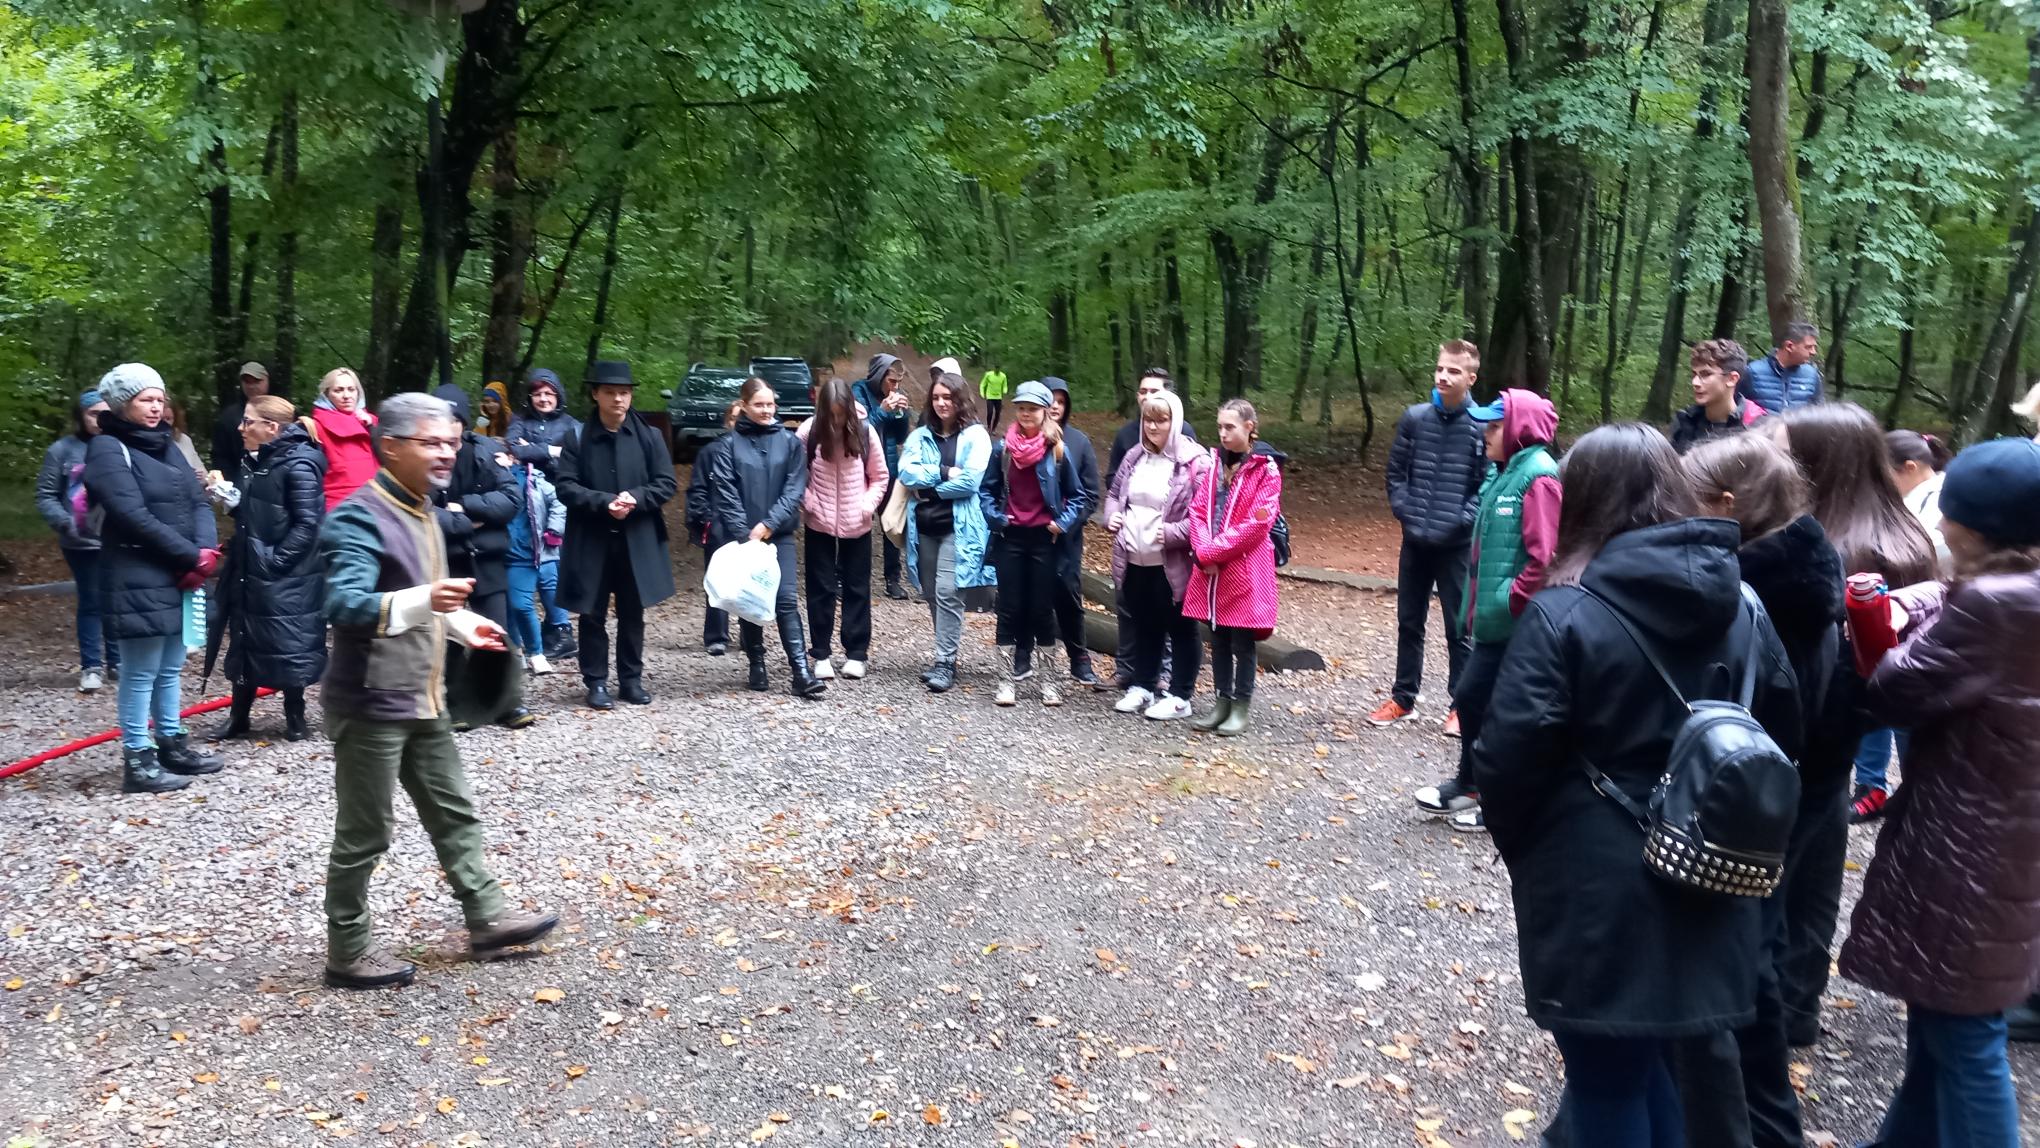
point(1856, 596)
point(1789, 546)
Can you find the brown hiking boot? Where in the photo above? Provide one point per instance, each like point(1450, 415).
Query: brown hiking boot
point(510, 928)
point(371, 970)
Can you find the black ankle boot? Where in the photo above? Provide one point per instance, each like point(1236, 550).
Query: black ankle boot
point(177, 756)
point(142, 773)
point(236, 726)
point(793, 640)
point(294, 728)
point(756, 679)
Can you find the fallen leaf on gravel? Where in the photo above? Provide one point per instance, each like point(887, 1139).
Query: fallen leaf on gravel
point(1297, 1061)
point(576, 1071)
point(1822, 1140)
point(1352, 1081)
point(1105, 956)
point(207, 1078)
point(13, 983)
point(492, 1081)
point(1514, 1089)
point(1801, 1075)
point(880, 1116)
point(765, 1132)
point(273, 1085)
point(446, 1105)
point(612, 1018)
point(931, 1115)
point(248, 1025)
point(479, 1061)
point(317, 1116)
point(1043, 1020)
point(746, 965)
point(55, 1013)
point(549, 996)
point(837, 1091)
point(1371, 982)
point(1393, 1051)
point(1431, 1124)
point(1518, 1116)
point(1472, 1027)
point(780, 1118)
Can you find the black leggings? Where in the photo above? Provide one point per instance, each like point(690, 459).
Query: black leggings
point(1232, 662)
point(1158, 624)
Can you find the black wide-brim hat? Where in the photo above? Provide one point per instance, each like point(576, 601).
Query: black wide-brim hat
point(610, 373)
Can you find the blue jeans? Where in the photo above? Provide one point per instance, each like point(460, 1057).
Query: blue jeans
point(1957, 1090)
point(88, 573)
point(1619, 1092)
point(526, 582)
point(1873, 756)
point(151, 686)
point(548, 589)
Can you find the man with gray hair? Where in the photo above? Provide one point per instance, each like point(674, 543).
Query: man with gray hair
point(392, 610)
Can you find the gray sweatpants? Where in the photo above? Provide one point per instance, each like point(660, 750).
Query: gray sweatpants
point(945, 604)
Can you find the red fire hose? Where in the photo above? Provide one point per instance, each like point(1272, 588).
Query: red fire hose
point(65, 750)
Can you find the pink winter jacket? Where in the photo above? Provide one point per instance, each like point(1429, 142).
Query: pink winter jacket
point(1235, 543)
point(843, 494)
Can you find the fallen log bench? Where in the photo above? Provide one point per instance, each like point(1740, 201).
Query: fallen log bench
point(1101, 633)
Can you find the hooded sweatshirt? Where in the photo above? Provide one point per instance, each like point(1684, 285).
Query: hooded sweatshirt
point(1153, 490)
point(892, 426)
point(1516, 530)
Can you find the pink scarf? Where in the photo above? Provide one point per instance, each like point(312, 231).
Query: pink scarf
point(1022, 450)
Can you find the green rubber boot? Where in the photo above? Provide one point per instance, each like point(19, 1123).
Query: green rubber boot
point(1219, 711)
point(1236, 716)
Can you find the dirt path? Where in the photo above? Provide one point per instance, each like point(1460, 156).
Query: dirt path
point(884, 918)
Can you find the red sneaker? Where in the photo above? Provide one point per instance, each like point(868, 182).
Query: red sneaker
point(1869, 804)
point(1452, 723)
point(1389, 713)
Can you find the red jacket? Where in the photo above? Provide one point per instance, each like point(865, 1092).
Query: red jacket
point(350, 455)
point(1234, 543)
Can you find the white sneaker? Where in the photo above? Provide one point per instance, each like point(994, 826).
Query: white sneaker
point(853, 669)
point(1169, 708)
point(824, 671)
point(1005, 695)
point(1050, 695)
point(539, 665)
point(1135, 700)
point(89, 682)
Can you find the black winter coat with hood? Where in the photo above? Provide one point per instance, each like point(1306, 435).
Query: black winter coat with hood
point(489, 497)
point(759, 477)
point(1798, 574)
point(272, 586)
point(157, 520)
point(1435, 468)
point(1607, 948)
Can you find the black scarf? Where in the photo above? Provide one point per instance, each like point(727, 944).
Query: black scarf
point(152, 441)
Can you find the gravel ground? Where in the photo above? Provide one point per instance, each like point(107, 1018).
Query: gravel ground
point(883, 918)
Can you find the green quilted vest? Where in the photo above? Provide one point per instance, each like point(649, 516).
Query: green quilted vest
point(1498, 541)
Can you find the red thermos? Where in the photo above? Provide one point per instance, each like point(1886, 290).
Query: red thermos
point(1870, 630)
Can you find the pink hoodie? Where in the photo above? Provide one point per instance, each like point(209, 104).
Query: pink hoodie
point(1234, 544)
point(843, 494)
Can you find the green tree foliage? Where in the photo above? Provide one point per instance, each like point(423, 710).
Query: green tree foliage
point(1291, 200)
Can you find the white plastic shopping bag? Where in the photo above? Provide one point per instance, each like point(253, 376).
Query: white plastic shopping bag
point(743, 578)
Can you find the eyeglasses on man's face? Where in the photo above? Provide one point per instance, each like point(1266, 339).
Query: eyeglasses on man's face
point(432, 445)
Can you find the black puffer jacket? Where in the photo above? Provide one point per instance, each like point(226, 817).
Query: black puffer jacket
point(1799, 577)
point(272, 588)
point(1606, 948)
point(477, 538)
point(759, 478)
point(1435, 467)
point(533, 435)
point(157, 521)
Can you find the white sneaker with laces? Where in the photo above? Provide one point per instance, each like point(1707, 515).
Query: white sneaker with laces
point(89, 682)
point(1050, 695)
point(1135, 699)
point(824, 671)
point(539, 664)
point(853, 669)
point(1005, 696)
point(1169, 708)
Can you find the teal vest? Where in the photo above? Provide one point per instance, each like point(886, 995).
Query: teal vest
point(1498, 554)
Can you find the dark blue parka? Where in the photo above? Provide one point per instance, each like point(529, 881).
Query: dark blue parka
point(1435, 467)
point(157, 520)
point(272, 587)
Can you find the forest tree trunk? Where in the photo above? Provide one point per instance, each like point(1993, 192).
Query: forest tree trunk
point(283, 364)
point(1769, 70)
